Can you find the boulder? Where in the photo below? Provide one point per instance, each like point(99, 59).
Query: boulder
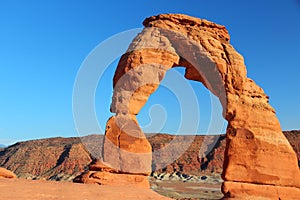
point(4, 173)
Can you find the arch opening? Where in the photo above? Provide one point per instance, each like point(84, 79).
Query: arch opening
point(162, 112)
point(194, 163)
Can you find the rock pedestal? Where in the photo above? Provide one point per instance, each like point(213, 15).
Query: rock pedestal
point(100, 173)
point(259, 161)
point(125, 147)
point(126, 158)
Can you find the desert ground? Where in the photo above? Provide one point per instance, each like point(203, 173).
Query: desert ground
point(18, 189)
point(48, 190)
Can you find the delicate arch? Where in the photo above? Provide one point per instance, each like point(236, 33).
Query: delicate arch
point(257, 154)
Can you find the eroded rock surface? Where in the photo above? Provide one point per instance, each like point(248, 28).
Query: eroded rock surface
point(125, 146)
point(103, 174)
point(256, 150)
point(126, 156)
point(4, 173)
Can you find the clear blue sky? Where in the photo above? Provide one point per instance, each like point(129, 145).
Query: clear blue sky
point(43, 43)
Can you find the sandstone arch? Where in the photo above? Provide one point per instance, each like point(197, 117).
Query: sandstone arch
point(259, 161)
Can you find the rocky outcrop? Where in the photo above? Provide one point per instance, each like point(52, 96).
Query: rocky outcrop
point(103, 174)
point(256, 150)
point(4, 173)
point(126, 155)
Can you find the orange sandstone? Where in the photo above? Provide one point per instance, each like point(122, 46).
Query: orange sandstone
point(4, 173)
point(257, 155)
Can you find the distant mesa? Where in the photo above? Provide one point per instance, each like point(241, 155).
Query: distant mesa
point(48, 159)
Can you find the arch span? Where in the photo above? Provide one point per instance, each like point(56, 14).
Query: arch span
point(259, 161)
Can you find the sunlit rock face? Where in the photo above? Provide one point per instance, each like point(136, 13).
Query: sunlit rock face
point(4, 173)
point(257, 154)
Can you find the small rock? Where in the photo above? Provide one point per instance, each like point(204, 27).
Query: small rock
point(4, 173)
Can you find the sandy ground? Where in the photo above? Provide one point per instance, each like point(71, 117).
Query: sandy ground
point(11, 189)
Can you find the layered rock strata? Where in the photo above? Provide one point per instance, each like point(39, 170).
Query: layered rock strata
point(257, 154)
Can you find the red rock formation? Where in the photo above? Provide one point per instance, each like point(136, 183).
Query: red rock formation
point(126, 156)
point(4, 173)
point(256, 151)
point(103, 174)
point(125, 147)
point(238, 190)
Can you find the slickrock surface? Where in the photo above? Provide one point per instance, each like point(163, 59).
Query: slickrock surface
point(20, 189)
point(102, 174)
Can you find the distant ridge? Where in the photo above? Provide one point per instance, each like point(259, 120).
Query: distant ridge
point(65, 158)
